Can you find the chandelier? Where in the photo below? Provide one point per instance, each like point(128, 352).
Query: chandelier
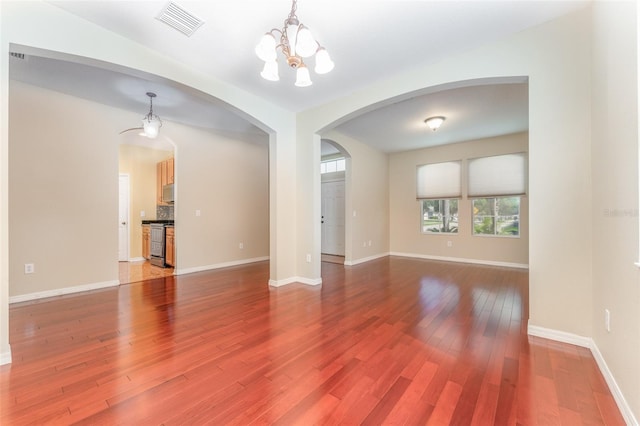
point(296, 43)
point(151, 123)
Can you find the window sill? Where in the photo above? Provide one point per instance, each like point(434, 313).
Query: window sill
point(496, 236)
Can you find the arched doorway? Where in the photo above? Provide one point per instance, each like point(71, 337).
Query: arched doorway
point(334, 164)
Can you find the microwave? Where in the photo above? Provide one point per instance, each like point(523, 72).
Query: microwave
point(167, 193)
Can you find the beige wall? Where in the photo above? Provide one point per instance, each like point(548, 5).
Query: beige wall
point(227, 180)
point(64, 192)
point(139, 163)
point(406, 235)
point(615, 193)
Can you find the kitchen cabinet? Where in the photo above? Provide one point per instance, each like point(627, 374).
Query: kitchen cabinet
point(164, 176)
point(169, 171)
point(146, 241)
point(170, 251)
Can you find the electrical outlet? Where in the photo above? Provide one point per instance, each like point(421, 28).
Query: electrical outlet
point(308, 258)
point(364, 244)
point(241, 246)
point(143, 213)
point(29, 268)
point(369, 243)
point(198, 213)
point(607, 320)
point(449, 243)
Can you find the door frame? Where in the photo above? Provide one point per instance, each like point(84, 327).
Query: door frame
point(127, 243)
point(343, 180)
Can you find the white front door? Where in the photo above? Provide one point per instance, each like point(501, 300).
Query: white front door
point(333, 218)
point(123, 218)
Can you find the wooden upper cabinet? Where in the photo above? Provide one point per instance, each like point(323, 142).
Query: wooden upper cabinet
point(169, 171)
point(163, 172)
point(159, 181)
point(164, 176)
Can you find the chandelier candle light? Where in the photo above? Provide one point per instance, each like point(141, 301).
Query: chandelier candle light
point(296, 43)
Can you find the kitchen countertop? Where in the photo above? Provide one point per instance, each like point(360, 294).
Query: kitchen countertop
point(164, 221)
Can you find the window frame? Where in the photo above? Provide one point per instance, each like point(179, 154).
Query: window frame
point(495, 218)
point(441, 224)
point(340, 164)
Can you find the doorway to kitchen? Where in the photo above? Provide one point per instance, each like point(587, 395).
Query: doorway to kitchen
point(146, 162)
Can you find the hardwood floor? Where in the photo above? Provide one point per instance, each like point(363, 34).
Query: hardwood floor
point(393, 341)
point(131, 272)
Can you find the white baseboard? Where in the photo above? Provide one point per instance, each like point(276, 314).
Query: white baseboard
point(560, 336)
point(61, 291)
point(463, 260)
point(307, 281)
point(365, 259)
point(5, 357)
point(588, 342)
point(219, 265)
point(137, 259)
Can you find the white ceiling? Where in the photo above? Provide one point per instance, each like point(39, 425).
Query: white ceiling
point(369, 40)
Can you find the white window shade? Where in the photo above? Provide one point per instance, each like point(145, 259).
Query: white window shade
point(439, 180)
point(498, 176)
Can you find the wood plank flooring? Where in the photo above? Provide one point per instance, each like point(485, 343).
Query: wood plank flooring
point(131, 272)
point(393, 341)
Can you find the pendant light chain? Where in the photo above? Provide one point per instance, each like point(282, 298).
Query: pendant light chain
point(292, 14)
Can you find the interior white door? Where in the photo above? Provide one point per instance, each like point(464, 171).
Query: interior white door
point(333, 218)
point(123, 218)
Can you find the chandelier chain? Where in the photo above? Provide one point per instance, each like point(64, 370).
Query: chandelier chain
point(292, 14)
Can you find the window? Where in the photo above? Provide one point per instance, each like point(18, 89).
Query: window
point(438, 181)
point(438, 189)
point(440, 216)
point(496, 216)
point(495, 184)
point(498, 176)
point(332, 166)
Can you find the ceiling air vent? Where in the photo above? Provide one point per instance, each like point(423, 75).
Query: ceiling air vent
point(17, 55)
point(179, 19)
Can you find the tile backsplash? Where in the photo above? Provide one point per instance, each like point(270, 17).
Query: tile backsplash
point(164, 212)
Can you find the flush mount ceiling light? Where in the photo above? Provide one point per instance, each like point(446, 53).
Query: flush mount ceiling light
point(434, 123)
point(151, 123)
point(296, 43)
